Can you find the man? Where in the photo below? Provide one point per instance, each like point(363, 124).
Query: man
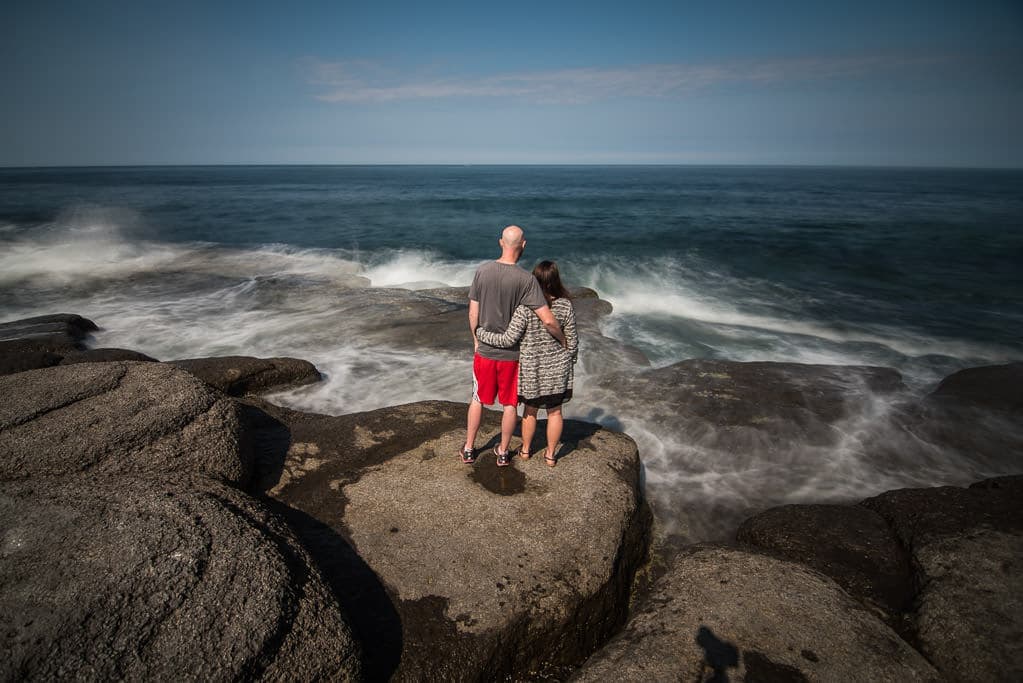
point(498, 288)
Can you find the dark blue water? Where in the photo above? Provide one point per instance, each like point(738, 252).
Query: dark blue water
point(919, 270)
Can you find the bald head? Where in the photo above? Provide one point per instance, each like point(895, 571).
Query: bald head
point(512, 243)
point(512, 236)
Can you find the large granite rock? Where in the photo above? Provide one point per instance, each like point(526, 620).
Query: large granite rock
point(489, 571)
point(241, 375)
point(117, 417)
point(851, 544)
point(719, 613)
point(172, 577)
point(967, 549)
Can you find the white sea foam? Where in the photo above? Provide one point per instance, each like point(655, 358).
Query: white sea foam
point(419, 270)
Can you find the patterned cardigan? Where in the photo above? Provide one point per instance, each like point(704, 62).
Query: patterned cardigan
point(545, 368)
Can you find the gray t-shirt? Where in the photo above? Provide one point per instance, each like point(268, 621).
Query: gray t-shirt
point(500, 288)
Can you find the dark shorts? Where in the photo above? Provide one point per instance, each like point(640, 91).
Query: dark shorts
point(549, 401)
point(495, 379)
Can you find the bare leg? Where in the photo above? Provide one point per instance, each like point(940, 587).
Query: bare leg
point(528, 428)
point(555, 423)
point(473, 420)
point(509, 417)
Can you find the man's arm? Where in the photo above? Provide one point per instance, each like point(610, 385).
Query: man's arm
point(474, 322)
point(551, 323)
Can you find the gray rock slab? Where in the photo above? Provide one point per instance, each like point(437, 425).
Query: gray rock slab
point(731, 614)
point(491, 571)
point(242, 375)
point(967, 549)
point(117, 417)
point(849, 543)
point(172, 577)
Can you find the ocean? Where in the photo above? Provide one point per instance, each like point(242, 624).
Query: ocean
point(914, 269)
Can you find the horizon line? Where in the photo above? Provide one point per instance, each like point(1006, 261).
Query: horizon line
point(6, 167)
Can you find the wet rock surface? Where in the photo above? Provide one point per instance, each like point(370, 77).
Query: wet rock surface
point(491, 571)
point(159, 577)
point(777, 402)
point(42, 341)
point(731, 614)
point(114, 418)
point(242, 375)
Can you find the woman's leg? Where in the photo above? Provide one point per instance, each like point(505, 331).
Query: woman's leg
point(555, 423)
point(528, 428)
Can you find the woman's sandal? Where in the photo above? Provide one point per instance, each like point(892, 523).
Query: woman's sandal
point(524, 454)
point(551, 460)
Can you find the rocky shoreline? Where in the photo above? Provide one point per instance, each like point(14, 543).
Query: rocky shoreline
point(165, 520)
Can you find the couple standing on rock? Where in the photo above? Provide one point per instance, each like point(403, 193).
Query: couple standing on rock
point(525, 341)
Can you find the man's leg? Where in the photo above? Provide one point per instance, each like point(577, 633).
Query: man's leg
point(509, 416)
point(473, 421)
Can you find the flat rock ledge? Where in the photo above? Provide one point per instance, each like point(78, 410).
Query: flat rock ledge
point(470, 572)
point(730, 614)
point(164, 577)
point(244, 375)
point(117, 417)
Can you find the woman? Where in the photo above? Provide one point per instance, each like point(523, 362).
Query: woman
point(546, 372)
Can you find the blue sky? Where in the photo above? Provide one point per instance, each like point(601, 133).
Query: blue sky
point(876, 83)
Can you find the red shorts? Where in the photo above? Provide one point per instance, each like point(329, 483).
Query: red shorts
point(495, 378)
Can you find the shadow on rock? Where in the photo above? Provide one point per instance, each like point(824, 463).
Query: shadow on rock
point(364, 601)
point(719, 655)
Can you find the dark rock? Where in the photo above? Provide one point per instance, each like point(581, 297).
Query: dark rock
point(117, 417)
point(967, 550)
point(159, 578)
point(997, 387)
point(242, 375)
point(727, 613)
point(41, 342)
point(105, 356)
point(20, 357)
point(75, 327)
point(492, 571)
point(851, 544)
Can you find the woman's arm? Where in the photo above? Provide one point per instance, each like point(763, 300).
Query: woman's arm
point(571, 335)
point(511, 336)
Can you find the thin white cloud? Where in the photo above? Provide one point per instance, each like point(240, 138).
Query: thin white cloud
point(364, 82)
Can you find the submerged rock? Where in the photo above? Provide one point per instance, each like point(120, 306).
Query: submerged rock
point(967, 549)
point(117, 417)
point(727, 613)
point(241, 375)
point(490, 571)
point(159, 578)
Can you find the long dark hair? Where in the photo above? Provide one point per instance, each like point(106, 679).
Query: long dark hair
point(546, 273)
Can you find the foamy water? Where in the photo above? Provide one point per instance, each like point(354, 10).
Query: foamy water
point(186, 298)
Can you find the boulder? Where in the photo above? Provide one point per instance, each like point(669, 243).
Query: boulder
point(851, 544)
point(164, 577)
point(489, 571)
point(46, 341)
point(241, 375)
point(967, 550)
point(117, 417)
point(998, 387)
point(727, 612)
